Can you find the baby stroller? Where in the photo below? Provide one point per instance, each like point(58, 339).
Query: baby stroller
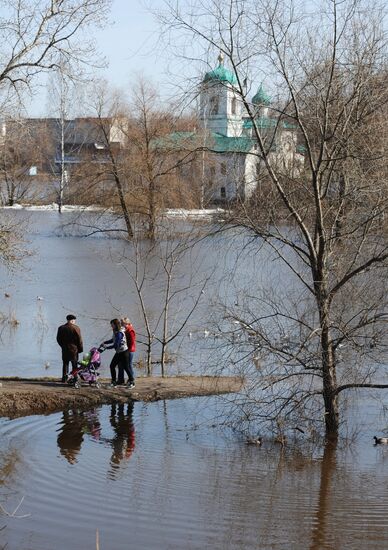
point(86, 370)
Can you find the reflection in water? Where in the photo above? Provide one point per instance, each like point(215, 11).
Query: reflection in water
point(123, 441)
point(75, 424)
point(40, 325)
point(328, 469)
point(9, 461)
point(174, 491)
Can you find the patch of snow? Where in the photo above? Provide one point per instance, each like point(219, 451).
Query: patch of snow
point(194, 213)
point(179, 213)
point(14, 207)
point(54, 207)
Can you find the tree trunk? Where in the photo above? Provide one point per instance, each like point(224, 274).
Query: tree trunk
point(341, 209)
point(163, 360)
point(202, 190)
point(118, 183)
point(330, 395)
point(165, 322)
point(123, 205)
point(329, 378)
point(63, 159)
point(331, 407)
point(152, 212)
point(149, 359)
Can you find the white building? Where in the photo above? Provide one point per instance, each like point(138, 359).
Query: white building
point(231, 136)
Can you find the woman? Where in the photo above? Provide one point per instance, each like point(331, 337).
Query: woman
point(131, 343)
point(118, 342)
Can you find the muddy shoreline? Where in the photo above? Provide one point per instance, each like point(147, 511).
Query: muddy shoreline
point(24, 397)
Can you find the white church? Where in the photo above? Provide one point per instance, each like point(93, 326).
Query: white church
point(237, 167)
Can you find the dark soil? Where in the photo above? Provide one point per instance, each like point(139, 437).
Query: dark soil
point(20, 397)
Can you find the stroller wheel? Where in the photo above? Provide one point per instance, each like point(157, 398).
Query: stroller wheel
point(97, 385)
point(77, 385)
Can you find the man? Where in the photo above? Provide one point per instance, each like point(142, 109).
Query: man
point(70, 339)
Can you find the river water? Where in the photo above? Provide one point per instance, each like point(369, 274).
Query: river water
point(70, 274)
point(162, 475)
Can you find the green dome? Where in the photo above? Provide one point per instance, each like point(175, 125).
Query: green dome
point(261, 97)
point(220, 74)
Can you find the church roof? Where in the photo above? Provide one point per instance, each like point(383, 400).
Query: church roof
point(261, 123)
point(220, 74)
point(224, 144)
point(214, 142)
point(261, 97)
point(264, 122)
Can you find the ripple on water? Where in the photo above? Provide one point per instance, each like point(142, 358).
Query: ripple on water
point(26, 426)
point(135, 477)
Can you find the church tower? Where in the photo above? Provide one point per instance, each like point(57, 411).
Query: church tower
point(220, 107)
point(261, 101)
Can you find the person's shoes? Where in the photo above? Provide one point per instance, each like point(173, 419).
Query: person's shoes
point(130, 385)
point(64, 379)
point(113, 385)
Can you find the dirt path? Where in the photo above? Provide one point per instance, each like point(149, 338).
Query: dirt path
point(20, 397)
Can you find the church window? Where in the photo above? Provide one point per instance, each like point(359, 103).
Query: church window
point(214, 105)
point(223, 193)
point(234, 105)
point(223, 168)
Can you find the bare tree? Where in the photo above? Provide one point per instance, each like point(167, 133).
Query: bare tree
point(12, 241)
point(111, 123)
point(19, 159)
point(61, 97)
point(158, 160)
point(168, 291)
point(177, 289)
point(325, 223)
point(151, 169)
point(32, 38)
point(138, 272)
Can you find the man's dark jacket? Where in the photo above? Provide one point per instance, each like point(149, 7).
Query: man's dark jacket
point(70, 339)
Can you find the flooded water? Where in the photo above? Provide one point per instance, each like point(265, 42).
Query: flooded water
point(91, 277)
point(163, 475)
point(159, 476)
point(68, 273)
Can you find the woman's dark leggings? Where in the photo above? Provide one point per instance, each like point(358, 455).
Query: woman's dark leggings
point(121, 360)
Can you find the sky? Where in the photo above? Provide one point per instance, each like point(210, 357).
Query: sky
point(129, 42)
point(129, 45)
